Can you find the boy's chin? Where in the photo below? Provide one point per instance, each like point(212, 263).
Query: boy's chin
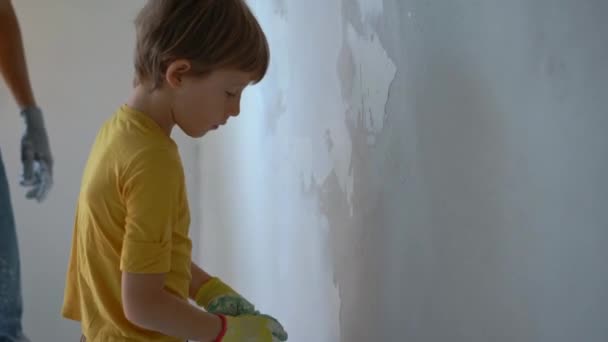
point(197, 133)
point(210, 129)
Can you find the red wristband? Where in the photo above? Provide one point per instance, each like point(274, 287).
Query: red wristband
point(222, 333)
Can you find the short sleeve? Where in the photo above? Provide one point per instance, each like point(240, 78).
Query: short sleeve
point(150, 193)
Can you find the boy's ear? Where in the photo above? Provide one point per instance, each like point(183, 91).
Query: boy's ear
point(176, 71)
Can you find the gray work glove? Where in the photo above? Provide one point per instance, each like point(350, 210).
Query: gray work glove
point(36, 155)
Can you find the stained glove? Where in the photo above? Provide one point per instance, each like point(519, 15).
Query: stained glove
point(251, 328)
point(218, 298)
point(36, 155)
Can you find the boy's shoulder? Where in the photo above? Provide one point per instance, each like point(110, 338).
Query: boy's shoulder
point(126, 140)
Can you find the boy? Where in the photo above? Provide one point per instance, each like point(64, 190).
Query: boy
point(130, 274)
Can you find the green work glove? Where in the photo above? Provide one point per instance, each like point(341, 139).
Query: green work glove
point(218, 298)
point(251, 328)
point(36, 155)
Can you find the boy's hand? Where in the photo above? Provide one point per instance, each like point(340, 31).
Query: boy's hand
point(36, 155)
point(219, 298)
point(252, 328)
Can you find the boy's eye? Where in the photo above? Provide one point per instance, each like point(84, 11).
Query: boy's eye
point(230, 94)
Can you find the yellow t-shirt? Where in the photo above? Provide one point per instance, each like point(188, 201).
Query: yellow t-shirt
point(132, 215)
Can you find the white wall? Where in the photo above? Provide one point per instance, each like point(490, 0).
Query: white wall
point(474, 210)
point(279, 200)
point(79, 55)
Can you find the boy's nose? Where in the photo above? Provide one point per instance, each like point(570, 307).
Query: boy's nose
point(233, 110)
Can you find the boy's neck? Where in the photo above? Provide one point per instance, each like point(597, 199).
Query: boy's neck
point(154, 104)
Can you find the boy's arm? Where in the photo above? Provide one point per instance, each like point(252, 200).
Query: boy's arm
point(152, 200)
point(12, 57)
point(151, 192)
point(148, 305)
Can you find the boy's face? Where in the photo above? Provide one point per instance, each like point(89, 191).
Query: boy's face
point(203, 104)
